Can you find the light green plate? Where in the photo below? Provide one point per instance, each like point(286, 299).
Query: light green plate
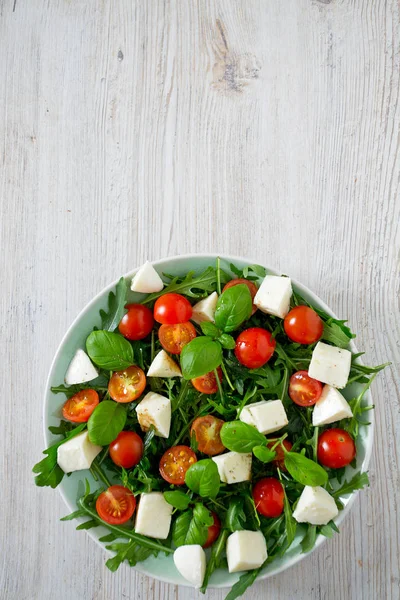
point(71, 488)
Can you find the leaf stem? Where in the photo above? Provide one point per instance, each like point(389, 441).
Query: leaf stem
point(218, 275)
point(182, 393)
point(225, 372)
point(221, 393)
point(97, 471)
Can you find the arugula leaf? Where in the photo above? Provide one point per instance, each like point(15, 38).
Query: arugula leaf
point(191, 527)
point(116, 307)
point(308, 541)
point(130, 551)
point(304, 470)
point(264, 454)
point(193, 286)
point(245, 581)
point(63, 428)
point(234, 306)
point(214, 562)
point(235, 518)
point(200, 356)
point(241, 437)
point(106, 422)
point(245, 273)
point(352, 426)
point(359, 481)
point(290, 522)
point(337, 333)
point(329, 529)
point(177, 499)
point(203, 478)
point(71, 390)
point(109, 350)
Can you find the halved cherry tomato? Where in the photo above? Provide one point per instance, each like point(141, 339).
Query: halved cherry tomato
point(279, 461)
point(252, 288)
point(336, 448)
point(175, 462)
point(174, 337)
point(254, 347)
point(213, 531)
point(207, 384)
point(79, 408)
point(303, 325)
point(137, 323)
point(170, 309)
point(116, 505)
point(127, 385)
point(303, 389)
point(268, 495)
point(127, 449)
point(207, 433)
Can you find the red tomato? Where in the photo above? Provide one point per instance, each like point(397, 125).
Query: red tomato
point(207, 384)
point(336, 448)
point(137, 323)
point(127, 449)
point(303, 390)
point(279, 461)
point(127, 385)
point(252, 289)
point(170, 309)
point(303, 325)
point(268, 497)
point(174, 337)
point(213, 531)
point(175, 462)
point(116, 505)
point(207, 433)
point(254, 347)
point(79, 408)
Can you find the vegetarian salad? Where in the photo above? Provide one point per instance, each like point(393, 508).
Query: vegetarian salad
point(211, 414)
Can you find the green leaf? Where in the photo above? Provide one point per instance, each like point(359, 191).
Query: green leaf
point(191, 527)
point(177, 499)
point(210, 329)
point(235, 519)
point(337, 333)
point(130, 551)
point(181, 527)
point(214, 562)
point(203, 478)
point(234, 306)
point(329, 529)
point(308, 541)
point(200, 356)
point(304, 470)
point(63, 428)
point(290, 522)
point(359, 481)
point(257, 269)
point(116, 307)
point(193, 286)
point(241, 437)
point(71, 390)
point(245, 581)
point(106, 422)
point(227, 341)
point(264, 454)
point(109, 351)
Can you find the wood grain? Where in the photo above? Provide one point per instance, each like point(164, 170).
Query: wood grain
point(133, 130)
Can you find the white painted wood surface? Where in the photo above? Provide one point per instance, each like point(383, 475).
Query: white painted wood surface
point(139, 129)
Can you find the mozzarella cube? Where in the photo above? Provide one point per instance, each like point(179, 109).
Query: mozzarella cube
point(191, 563)
point(81, 369)
point(153, 516)
point(205, 309)
point(77, 454)
point(234, 467)
point(330, 365)
point(163, 366)
point(267, 416)
point(330, 407)
point(273, 296)
point(315, 506)
point(245, 550)
point(155, 410)
point(146, 280)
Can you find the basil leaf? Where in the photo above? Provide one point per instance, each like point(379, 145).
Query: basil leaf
point(181, 527)
point(308, 541)
point(106, 422)
point(241, 437)
point(264, 454)
point(177, 499)
point(209, 329)
point(304, 470)
point(290, 522)
point(235, 519)
point(109, 350)
point(233, 307)
point(200, 356)
point(116, 307)
point(203, 478)
point(191, 527)
point(227, 341)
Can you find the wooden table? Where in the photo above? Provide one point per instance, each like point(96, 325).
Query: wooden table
point(134, 130)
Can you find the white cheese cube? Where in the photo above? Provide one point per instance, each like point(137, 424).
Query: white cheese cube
point(234, 467)
point(153, 516)
point(331, 407)
point(81, 369)
point(190, 561)
point(315, 506)
point(273, 296)
point(155, 410)
point(205, 309)
point(330, 365)
point(77, 454)
point(146, 280)
point(163, 366)
point(267, 416)
point(245, 550)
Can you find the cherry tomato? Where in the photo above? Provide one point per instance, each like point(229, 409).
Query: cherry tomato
point(207, 433)
point(170, 309)
point(303, 390)
point(116, 505)
point(336, 448)
point(137, 323)
point(268, 497)
point(303, 325)
point(279, 461)
point(213, 531)
point(175, 462)
point(127, 385)
point(127, 449)
point(252, 289)
point(254, 347)
point(79, 408)
point(174, 337)
point(207, 384)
